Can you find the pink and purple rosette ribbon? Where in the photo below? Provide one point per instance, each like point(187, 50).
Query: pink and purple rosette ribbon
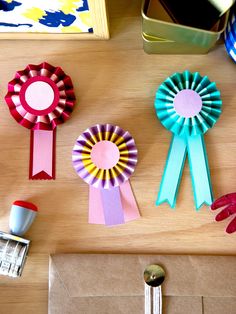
point(105, 156)
point(39, 98)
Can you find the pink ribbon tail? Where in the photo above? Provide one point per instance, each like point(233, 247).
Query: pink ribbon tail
point(128, 201)
point(42, 154)
point(96, 208)
point(96, 215)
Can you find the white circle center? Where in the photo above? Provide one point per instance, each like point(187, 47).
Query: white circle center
point(39, 95)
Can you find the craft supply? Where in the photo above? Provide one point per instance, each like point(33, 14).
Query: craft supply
point(187, 104)
point(154, 275)
point(13, 252)
point(227, 203)
point(105, 156)
point(39, 98)
point(162, 35)
point(230, 35)
point(14, 249)
point(114, 284)
point(21, 217)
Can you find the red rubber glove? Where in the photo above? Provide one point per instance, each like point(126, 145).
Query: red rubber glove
point(229, 203)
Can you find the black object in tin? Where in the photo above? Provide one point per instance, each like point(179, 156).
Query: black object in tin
point(202, 14)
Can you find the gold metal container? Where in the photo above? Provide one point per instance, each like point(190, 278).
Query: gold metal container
point(162, 35)
point(152, 45)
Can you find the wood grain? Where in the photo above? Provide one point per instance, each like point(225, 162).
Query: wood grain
point(115, 82)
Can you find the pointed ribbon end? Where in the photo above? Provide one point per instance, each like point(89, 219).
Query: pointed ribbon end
point(200, 204)
point(160, 201)
point(42, 176)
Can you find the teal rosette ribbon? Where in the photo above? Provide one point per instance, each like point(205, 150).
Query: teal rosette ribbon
point(187, 104)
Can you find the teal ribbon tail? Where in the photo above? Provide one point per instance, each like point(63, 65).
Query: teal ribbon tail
point(200, 172)
point(173, 171)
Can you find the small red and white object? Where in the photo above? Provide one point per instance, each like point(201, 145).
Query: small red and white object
point(39, 98)
point(21, 217)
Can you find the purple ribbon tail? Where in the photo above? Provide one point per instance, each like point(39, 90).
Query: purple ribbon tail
point(112, 206)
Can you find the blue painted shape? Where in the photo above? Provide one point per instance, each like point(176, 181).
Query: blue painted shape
point(90, 30)
point(55, 19)
point(6, 6)
point(14, 25)
point(84, 7)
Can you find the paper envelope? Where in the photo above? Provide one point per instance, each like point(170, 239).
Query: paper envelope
point(113, 284)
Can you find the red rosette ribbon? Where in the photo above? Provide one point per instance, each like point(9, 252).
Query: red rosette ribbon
point(39, 98)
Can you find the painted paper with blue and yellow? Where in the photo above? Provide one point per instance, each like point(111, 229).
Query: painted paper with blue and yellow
point(45, 16)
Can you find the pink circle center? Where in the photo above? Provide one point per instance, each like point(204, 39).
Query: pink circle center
point(187, 103)
point(39, 95)
point(105, 154)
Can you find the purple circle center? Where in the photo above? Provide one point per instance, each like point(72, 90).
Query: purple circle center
point(187, 103)
point(105, 155)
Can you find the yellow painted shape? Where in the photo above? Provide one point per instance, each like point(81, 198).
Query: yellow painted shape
point(68, 6)
point(71, 29)
point(8, 1)
point(34, 14)
point(85, 17)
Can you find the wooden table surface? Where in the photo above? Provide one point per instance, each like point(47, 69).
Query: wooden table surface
point(115, 82)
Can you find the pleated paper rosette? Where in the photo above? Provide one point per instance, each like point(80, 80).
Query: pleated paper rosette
point(187, 103)
point(39, 98)
point(105, 156)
